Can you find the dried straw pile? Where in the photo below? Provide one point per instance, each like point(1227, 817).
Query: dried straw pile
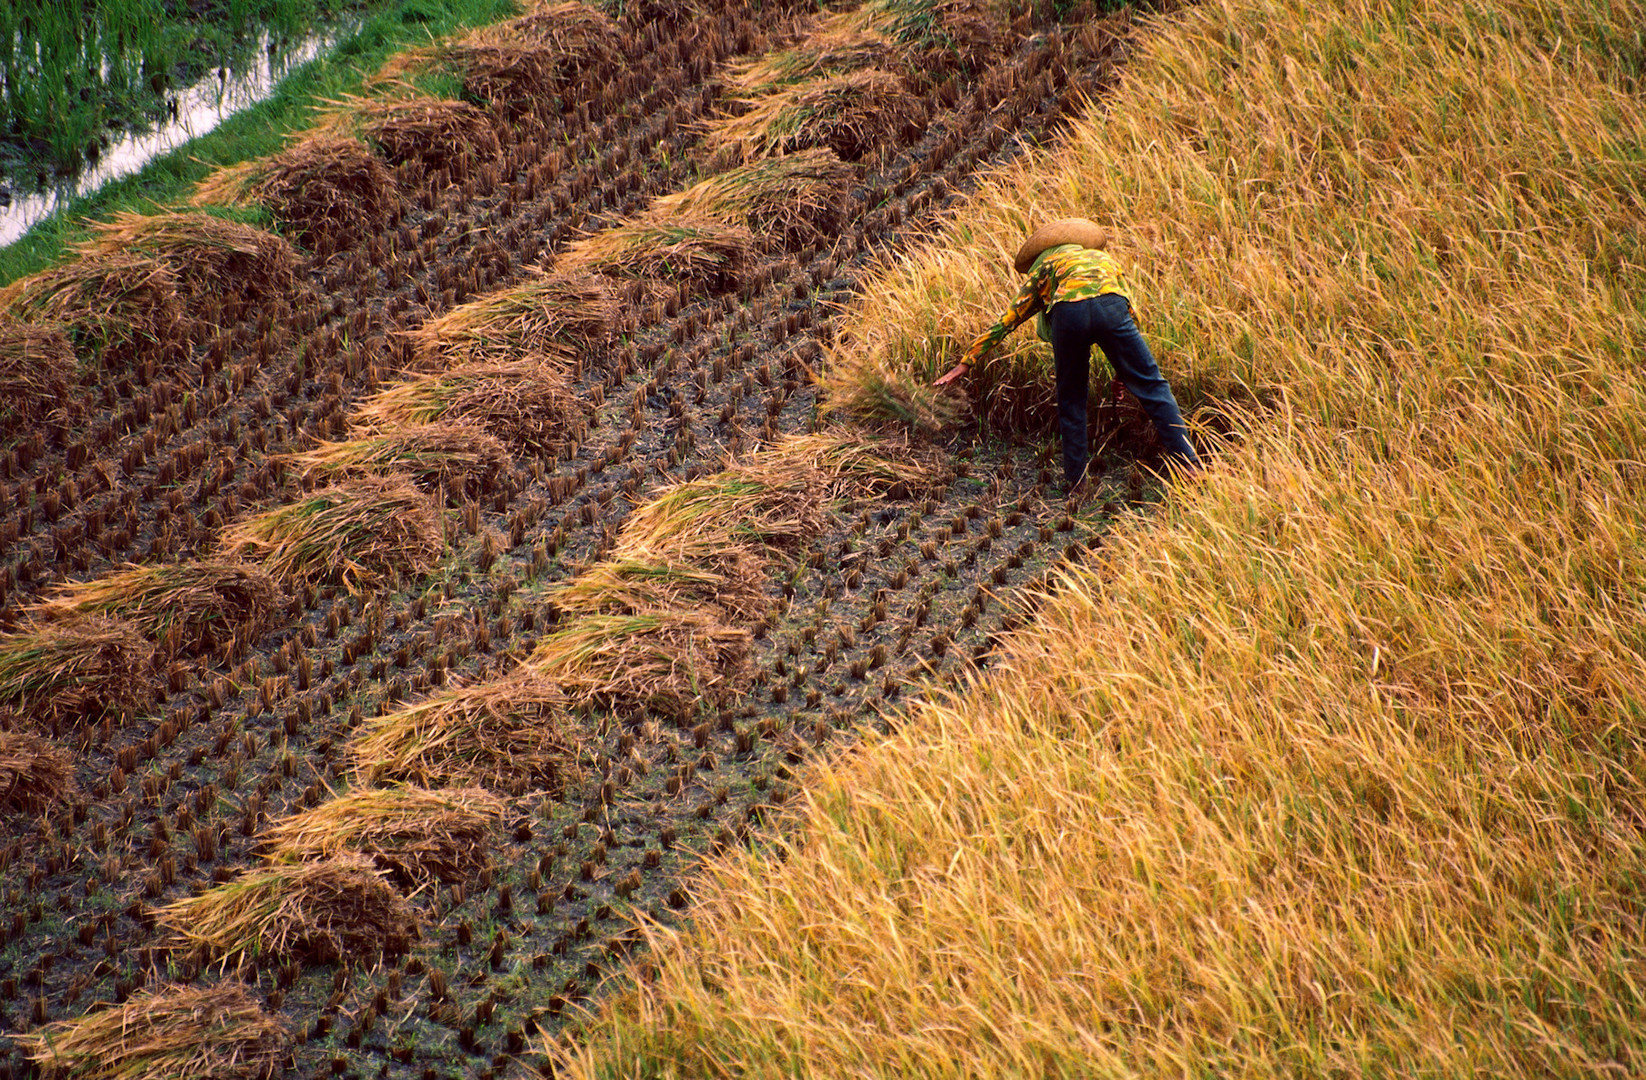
point(689, 574)
point(121, 305)
point(413, 833)
point(34, 773)
point(352, 534)
point(529, 404)
point(457, 456)
point(321, 911)
point(439, 132)
point(851, 113)
point(36, 364)
point(673, 663)
point(705, 251)
point(193, 608)
point(327, 188)
point(76, 670)
point(522, 64)
point(504, 733)
point(545, 316)
point(841, 41)
point(208, 255)
point(220, 1032)
point(794, 199)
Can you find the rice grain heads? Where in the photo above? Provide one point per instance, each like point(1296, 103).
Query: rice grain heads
point(323, 911)
point(352, 534)
point(413, 833)
point(219, 1032)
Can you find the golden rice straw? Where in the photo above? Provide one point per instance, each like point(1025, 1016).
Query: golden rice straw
point(414, 833)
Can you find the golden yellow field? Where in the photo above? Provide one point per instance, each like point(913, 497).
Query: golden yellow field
point(1334, 766)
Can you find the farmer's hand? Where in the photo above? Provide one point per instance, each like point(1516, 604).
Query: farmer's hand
point(956, 372)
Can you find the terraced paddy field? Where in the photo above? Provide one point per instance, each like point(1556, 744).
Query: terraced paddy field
point(398, 602)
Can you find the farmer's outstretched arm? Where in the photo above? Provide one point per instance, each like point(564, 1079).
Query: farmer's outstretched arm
point(1025, 304)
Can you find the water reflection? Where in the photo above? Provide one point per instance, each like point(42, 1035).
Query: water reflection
point(196, 110)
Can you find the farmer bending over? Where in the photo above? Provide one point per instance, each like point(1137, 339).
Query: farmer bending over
point(1077, 288)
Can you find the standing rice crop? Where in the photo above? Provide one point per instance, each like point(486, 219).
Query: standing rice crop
point(528, 403)
point(505, 733)
point(455, 455)
point(545, 317)
point(190, 608)
point(413, 833)
point(74, 670)
point(35, 773)
point(351, 534)
point(326, 911)
point(219, 1031)
point(207, 254)
point(36, 365)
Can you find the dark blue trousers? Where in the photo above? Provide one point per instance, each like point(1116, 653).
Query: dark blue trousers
point(1106, 321)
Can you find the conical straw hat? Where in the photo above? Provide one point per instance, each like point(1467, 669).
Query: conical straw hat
point(1075, 230)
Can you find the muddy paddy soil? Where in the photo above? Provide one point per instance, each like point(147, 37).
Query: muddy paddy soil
point(897, 594)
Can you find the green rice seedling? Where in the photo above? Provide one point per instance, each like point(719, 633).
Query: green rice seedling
point(35, 773)
point(117, 305)
point(35, 364)
point(413, 833)
point(796, 197)
point(851, 113)
point(327, 188)
point(529, 404)
point(206, 253)
point(352, 534)
point(190, 608)
point(75, 670)
point(547, 316)
point(333, 909)
point(219, 1031)
point(674, 663)
point(707, 251)
point(454, 455)
point(505, 733)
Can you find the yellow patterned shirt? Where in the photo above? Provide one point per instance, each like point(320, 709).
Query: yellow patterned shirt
point(1065, 272)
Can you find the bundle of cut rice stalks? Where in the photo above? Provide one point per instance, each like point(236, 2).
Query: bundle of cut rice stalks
point(325, 911)
point(795, 198)
point(352, 534)
point(34, 773)
point(220, 1032)
point(413, 833)
point(124, 306)
point(208, 254)
point(546, 316)
point(697, 573)
point(457, 456)
point(841, 41)
point(408, 125)
point(852, 113)
point(506, 733)
point(186, 609)
point(36, 363)
point(521, 63)
point(528, 404)
point(674, 663)
point(75, 670)
point(328, 188)
point(712, 253)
